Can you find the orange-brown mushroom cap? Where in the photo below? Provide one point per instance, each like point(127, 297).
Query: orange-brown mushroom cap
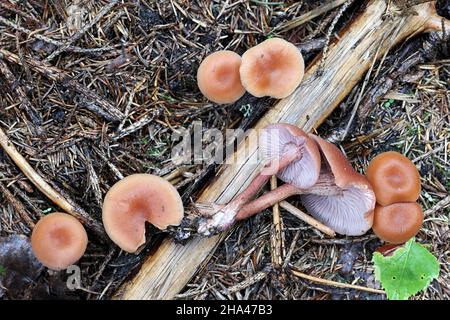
point(273, 68)
point(394, 178)
point(398, 222)
point(218, 77)
point(58, 240)
point(137, 199)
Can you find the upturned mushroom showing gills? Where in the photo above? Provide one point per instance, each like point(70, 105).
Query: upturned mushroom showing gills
point(350, 210)
point(272, 68)
point(58, 240)
point(291, 154)
point(398, 222)
point(342, 199)
point(218, 77)
point(394, 178)
point(138, 199)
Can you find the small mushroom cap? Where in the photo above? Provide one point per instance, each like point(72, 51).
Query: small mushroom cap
point(218, 77)
point(276, 139)
point(398, 222)
point(394, 178)
point(58, 240)
point(350, 212)
point(137, 199)
point(273, 68)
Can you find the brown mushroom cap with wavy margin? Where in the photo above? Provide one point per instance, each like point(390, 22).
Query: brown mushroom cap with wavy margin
point(350, 210)
point(274, 68)
point(58, 240)
point(138, 199)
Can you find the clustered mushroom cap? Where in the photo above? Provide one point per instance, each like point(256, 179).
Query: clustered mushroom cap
point(135, 200)
point(274, 68)
point(394, 178)
point(398, 222)
point(276, 139)
point(218, 77)
point(58, 240)
point(350, 211)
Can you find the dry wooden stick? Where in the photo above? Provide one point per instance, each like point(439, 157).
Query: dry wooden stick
point(95, 103)
point(247, 282)
point(438, 206)
point(168, 270)
point(18, 206)
point(82, 31)
point(334, 283)
point(47, 190)
point(306, 218)
point(277, 243)
point(50, 40)
point(294, 23)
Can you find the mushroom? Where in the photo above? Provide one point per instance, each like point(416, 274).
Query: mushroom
point(291, 154)
point(342, 199)
point(398, 222)
point(218, 77)
point(58, 240)
point(394, 178)
point(350, 211)
point(273, 68)
point(137, 199)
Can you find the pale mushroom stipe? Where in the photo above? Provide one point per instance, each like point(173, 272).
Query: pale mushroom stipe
point(218, 77)
point(138, 199)
point(58, 240)
point(290, 154)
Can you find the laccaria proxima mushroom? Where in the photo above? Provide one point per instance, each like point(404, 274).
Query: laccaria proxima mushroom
point(138, 199)
point(290, 154)
point(394, 178)
point(398, 222)
point(342, 199)
point(58, 240)
point(218, 77)
point(274, 68)
point(350, 210)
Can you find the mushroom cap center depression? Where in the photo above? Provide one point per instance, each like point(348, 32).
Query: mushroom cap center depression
point(61, 238)
point(225, 74)
point(395, 177)
point(269, 67)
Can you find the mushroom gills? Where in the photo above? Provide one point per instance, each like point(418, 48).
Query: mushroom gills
point(343, 211)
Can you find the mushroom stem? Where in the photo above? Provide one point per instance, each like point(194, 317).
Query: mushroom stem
point(267, 200)
point(324, 186)
point(226, 215)
point(269, 170)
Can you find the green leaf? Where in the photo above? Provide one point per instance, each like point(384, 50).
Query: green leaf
point(409, 270)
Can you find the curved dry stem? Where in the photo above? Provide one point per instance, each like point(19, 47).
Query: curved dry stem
point(47, 190)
